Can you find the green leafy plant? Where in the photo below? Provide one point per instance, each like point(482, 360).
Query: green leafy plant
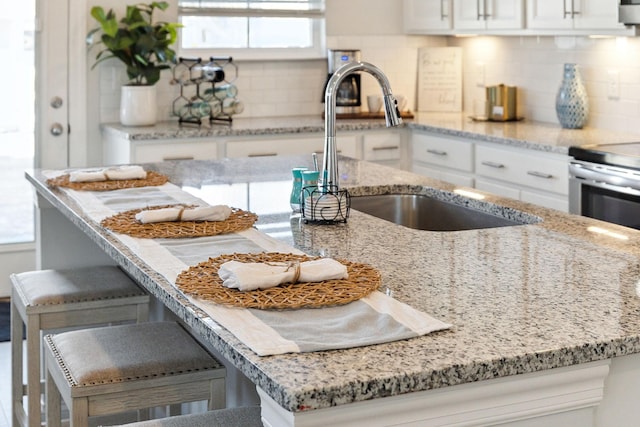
point(142, 45)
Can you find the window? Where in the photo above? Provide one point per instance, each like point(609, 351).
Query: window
point(252, 29)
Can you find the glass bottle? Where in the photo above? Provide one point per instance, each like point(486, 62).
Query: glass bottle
point(296, 189)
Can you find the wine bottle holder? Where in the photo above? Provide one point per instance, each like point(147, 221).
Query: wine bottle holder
point(325, 205)
point(207, 90)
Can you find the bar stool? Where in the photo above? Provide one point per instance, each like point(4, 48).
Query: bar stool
point(116, 369)
point(60, 299)
point(248, 416)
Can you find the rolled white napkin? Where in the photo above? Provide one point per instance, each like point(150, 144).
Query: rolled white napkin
point(116, 173)
point(200, 213)
point(249, 276)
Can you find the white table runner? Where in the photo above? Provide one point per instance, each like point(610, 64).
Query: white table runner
point(374, 319)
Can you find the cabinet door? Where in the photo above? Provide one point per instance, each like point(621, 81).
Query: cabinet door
point(505, 14)
point(488, 14)
point(549, 14)
point(521, 167)
point(425, 16)
point(596, 14)
point(469, 14)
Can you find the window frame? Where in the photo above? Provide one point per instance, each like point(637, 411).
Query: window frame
point(316, 51)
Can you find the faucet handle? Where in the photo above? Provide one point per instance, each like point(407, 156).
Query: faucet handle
point(391, 111)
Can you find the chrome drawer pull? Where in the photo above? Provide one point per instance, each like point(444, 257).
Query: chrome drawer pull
point(385, 147)
point(540, 174)
point(263, 155)
point(493, 165)
point(177, 158)
point(437, 152)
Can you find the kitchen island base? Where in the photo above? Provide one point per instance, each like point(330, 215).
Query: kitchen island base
point(554, 398)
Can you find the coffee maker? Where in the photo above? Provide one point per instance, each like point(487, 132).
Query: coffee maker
point(348, 99)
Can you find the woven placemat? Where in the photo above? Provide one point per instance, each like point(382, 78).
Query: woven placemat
point(126, 223)
point(204, 282)
point(152, 179)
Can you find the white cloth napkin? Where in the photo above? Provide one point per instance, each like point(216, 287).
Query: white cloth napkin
point(111, 173)
point(249, 276)
point(200, 213)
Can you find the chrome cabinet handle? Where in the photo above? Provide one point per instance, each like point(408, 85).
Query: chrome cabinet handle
point(437, 152)
point(493, 164)
point(56, 129)
point(385, 147)
point(540, 174)
point(263, 155)
point(443, 15)
point(177, 158)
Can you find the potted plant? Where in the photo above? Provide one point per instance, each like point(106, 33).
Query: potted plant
point(144, 47)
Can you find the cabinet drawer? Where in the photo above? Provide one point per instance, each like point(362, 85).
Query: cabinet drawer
point(545, 172)
point(288, 146)
point(442, 151)
point(177, 150)
point(273, 147)
point(382, 146)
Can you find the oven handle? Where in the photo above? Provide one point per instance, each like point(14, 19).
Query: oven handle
point(611, 180)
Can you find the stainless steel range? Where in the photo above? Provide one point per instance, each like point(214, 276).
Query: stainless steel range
point(604, 182)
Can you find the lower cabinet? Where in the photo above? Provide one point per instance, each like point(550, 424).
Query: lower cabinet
point(522, 174)
point(288, 145)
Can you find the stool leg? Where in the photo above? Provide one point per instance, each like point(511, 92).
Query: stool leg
point(54, 412)
point(17, 379)
point(79, 412)
point(33, 370)
point(218, 394)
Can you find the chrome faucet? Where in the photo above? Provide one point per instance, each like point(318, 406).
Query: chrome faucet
point(329, 175)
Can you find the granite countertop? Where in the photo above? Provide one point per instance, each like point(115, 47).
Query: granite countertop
point(521, 299)
point(527, 134)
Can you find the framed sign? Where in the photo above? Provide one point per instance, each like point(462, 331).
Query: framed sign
point(440, 79)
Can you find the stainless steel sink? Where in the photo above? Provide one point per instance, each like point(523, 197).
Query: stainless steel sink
point(423, 212)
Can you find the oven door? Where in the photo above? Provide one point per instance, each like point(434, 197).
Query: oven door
point(606, 193)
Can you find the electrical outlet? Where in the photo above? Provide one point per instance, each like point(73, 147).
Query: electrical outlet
point(613, 84)
point(480, 74)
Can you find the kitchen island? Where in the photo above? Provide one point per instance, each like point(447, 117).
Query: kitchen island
point(545, 316)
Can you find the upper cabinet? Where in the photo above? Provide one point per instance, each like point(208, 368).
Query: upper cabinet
point(581, 15)
point(424, 16)
point(514, 17)
point(488, 14)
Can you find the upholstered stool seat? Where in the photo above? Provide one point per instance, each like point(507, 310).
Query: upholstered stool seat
point(61, 299)
point(114, 369)
point(232, 417)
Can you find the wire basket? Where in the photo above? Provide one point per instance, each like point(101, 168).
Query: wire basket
point(325, 205)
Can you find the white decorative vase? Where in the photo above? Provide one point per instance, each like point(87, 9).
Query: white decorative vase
point(138, 105)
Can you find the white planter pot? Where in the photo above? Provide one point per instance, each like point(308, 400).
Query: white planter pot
point(138, 105)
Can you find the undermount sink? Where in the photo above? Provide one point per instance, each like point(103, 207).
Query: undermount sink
point(424, 212)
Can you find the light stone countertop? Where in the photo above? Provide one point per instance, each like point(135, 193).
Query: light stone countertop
point(527, 134)
point(521, 299)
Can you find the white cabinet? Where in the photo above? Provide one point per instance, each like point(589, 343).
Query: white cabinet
point(265, 146)
point(425, 16)
point(383, 147)
point(587, 15)
point(117, 150)
point(518, 173)
point(488, 14)
point(443, 158)
point(530, 176)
